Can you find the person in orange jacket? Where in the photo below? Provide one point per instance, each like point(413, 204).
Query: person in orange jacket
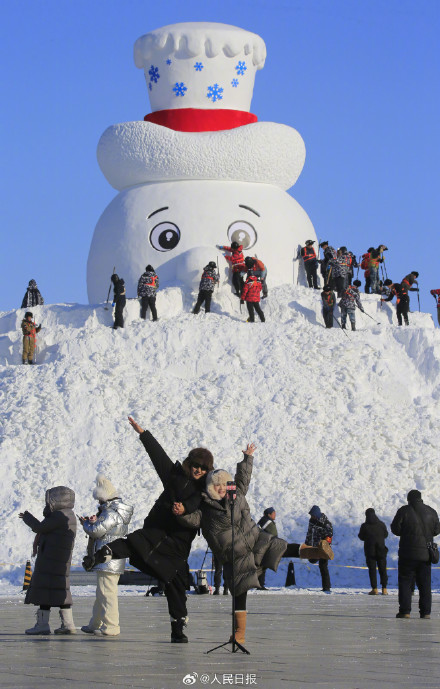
point(251, 295)
point(29, 330)
point(236, 259)
point(436, 293)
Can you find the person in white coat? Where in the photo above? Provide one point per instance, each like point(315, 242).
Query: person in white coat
point(110, 522)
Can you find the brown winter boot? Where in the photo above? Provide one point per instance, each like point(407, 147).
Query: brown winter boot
point(240, 626)
point(373, 592)
point(322, 552)
point(384, 591)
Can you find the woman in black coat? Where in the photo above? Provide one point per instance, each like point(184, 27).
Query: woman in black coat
point(50, 583)
point(161, 548)
point(373, 533)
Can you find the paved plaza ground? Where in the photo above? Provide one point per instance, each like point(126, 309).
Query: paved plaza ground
point(299, 641)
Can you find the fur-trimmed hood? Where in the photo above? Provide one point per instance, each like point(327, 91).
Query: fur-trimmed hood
point(214, 478)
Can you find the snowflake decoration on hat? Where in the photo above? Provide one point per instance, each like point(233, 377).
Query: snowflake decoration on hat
point(154, 74)
point(240, 68)
point(198, 66)
point(234, 83)
point(214, 93)
point(179, 88)
point(168, 61)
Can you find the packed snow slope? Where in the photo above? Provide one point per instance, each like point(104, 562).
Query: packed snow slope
point(344, 421)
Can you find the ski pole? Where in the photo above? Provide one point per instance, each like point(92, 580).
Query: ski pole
point(385, 268)
point(367, 314)
point(343, 329)
point(418, 295)
point(218, 271)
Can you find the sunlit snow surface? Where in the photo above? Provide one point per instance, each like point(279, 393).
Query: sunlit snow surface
point(342, 422)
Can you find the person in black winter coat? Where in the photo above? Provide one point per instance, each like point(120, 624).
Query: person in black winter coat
point(162, 546)
point(32, 296)
point(118, 300)
point(146, 290)
point(416, 524)
point(328, 298)
point(320, 529)
point(373, 533)
point(209, 280)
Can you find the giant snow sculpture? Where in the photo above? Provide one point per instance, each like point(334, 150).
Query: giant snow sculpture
point(200, 170)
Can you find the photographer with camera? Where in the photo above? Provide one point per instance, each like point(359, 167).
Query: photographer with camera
point(254, 549)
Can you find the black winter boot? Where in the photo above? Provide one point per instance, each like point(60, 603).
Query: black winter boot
point(353, 326)
point(177, 635)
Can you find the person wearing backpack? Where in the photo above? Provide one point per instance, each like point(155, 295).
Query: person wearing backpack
point(328, 304)
point(350, 299)
point(251, 295)
point(32, 297)
point(146, 290)
point(416, 524)
point(29, 330)
point(373, 533)
point(209, 280)
point(365, 262)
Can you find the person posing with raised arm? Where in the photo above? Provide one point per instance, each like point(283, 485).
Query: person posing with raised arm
point(236, 260)
point(162, 546)
point(254, 549)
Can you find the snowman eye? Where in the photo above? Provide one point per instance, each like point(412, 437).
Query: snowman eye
point(165, 236)
point(243, 233)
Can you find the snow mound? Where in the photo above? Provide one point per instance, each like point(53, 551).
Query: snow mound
point(345, 422)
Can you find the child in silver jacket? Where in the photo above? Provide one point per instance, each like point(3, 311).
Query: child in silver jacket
point(109, 523)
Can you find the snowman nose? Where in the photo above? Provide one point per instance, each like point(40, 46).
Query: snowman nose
point(191, 264)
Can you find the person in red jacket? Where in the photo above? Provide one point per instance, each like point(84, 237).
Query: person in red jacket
point(251, 295)
point(236, 259)
point(436, 293)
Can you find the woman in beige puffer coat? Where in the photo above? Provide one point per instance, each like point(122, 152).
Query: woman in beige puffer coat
point(254, 549)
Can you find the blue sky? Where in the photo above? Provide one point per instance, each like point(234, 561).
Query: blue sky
point(359, 79)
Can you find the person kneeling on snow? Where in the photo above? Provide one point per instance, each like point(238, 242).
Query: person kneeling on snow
point(209, 280)
point(251, 295)
point(254, 548)
point(50, 583)
point(350, 299)
point(110, 522)
point(29, 330)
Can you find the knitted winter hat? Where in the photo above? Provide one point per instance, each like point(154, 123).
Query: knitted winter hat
point(268, 511)
point(315, 512)
point(215, 478)
point(414, 495)
point(370, 510)
point(104, 490)
point(149, 269)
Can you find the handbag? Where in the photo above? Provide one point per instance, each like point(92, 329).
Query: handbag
point(433, 551)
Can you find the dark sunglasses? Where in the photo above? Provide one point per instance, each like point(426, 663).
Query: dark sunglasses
point(195, 465)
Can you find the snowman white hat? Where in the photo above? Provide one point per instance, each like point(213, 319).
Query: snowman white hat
point(200, 80)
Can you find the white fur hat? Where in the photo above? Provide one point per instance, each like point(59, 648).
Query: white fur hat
point(214, 478)
point(104, 490)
